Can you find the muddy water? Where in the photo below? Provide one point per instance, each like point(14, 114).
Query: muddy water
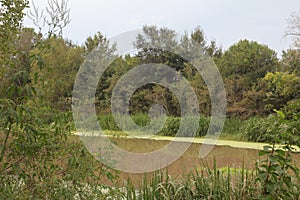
point(226, 154)
point(231, 154)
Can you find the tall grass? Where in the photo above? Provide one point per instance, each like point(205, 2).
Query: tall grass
point(170, 128)
point(202, 183)
point(254, 129)
point(234, 128)
point(205, 182)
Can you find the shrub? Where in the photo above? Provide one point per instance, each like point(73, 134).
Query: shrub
point(277, 172)
point(256, 129)
point(233, 126)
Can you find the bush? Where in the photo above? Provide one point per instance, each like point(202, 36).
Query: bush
point(277, 172)
point(233, 126)
point(283, 126)
point(256, 129)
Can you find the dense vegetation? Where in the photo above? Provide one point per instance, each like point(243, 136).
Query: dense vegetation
point(39, 159)
point(256, 80)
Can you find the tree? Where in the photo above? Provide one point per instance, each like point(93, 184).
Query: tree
point(93, 42)
point(248, 58)
point(293, 29)
point(281, 87)
point(29, 143)
point(157, 45)
point(210, 49)
point(161, 45)
point(37, 156)
point(291, 61)
point(109, 79)
point(11, 16)
point(57, 73)
point(242, 66)
point(274, 91)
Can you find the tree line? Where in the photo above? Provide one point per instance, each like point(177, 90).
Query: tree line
point(256, 80)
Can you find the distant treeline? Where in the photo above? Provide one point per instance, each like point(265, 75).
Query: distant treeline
point(256, 80)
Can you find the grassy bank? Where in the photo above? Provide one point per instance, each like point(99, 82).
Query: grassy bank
point(233, 129)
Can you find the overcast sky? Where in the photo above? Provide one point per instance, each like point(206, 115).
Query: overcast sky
point(226, 21)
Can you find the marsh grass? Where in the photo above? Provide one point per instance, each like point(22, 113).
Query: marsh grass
point(211, 182)
point(233, 129)
point(169, 128)
point(202, 183)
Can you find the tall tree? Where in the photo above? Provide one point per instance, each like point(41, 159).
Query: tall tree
point(11, 16)
point(242, 66)
point(161, 45)
point(157, 45)
point(209, 48)
point(56, 77)
point(248, 58)
point(95, 41)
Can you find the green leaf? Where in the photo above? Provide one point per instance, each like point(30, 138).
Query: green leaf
point(280, 152)
point(267, 147)
point(262, 153)
point(280, 113)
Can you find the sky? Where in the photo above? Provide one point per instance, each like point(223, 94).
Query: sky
point(225, 21)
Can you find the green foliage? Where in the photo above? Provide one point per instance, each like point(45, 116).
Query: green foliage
point(54, 78)
point(205, 183)
point(41, 159)
point(242, 66)
point(162, 45)
point(280, 88)
point(38, 159)
point(292, 110)
point(170, 127)
point(93, 42)
point(280, 128)
point(277, 172)
point(273, 91)
point(11, 15)
point(248, 58)
point(256, 129)
point(233, 129)
point(291, 61)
